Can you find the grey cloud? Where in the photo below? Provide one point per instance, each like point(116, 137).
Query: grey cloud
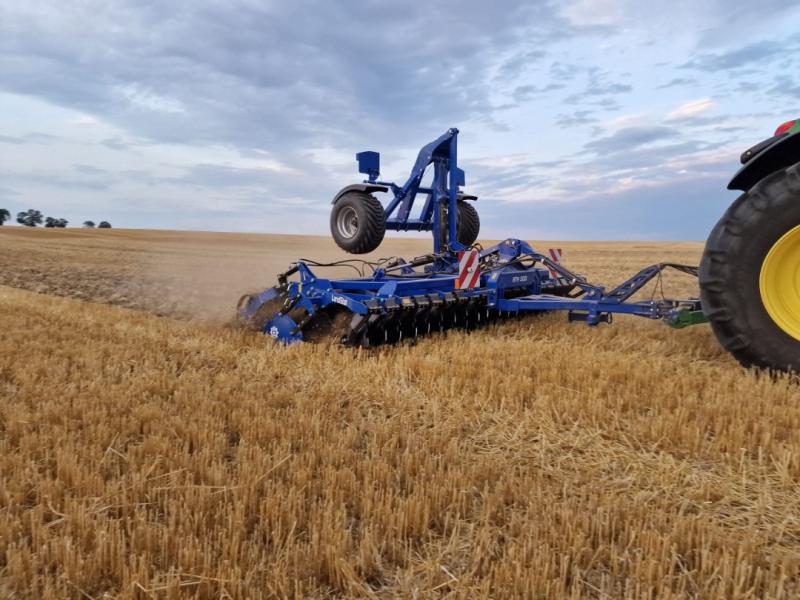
point(751, 54)
point(607, 104)
point(57, 181)
point(677, 82)
point(271, 76)
point(598, 87)
point(506, 106)
point(786, 86)
point(270, 187)
point(116, 143)
point(8, 192)
point(494, 180)
point(96, 180)
point(565, 71)
point(748, 86)
point(630, 215)
point(609, 88)
point(88, 170)
point(630, 138)
point(579, 117)
point(221, 176)
point(516, 65)
point(596, 211)
point(637, 157)
point(700, 121)
point(37, 137)
point(737, 21)
point(526, 92)
point(29, 138)
point(141, 176)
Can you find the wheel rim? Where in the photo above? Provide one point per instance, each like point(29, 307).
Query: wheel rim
point(779, 283)
point(347, 222)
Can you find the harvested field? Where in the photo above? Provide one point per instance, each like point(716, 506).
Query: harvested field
point(145, 456)
point(185, 275)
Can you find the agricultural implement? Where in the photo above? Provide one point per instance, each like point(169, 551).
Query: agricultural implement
point(749, 276)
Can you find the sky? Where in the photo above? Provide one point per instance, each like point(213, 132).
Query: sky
point(579, 119)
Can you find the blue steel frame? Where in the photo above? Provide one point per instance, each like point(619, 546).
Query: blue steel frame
point(505, 272)
point(447, 179)
point(514, 277)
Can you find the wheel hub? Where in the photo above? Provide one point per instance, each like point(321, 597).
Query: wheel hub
point(779, 283)
point(347, 222)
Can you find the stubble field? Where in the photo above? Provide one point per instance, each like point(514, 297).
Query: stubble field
point(147, 450)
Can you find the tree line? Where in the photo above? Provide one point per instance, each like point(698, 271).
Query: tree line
point(33, 218)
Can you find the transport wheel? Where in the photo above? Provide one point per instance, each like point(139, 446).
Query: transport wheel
point(750, 274)
point(469, 225)
point(358, 223)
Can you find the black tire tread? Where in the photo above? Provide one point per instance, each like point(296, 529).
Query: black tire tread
point(740, 331)
point(374, 224)
point(469, 224)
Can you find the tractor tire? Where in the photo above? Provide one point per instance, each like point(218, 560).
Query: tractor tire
point(738, 299)
point(468, 222)
point(358, 223)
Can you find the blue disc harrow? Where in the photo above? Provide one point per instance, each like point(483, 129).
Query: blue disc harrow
point(458, 285)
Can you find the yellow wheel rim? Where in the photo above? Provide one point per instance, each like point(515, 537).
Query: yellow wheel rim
point(780, 282)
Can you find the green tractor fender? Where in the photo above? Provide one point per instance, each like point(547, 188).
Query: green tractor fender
point(767, 157)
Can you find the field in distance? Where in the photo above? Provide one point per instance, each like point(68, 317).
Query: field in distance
point(156, 453)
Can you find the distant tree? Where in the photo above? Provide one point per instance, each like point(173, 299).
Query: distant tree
point(29, 218)
point(4, 215)
point(104, 225)
point(54, 222)
point(88, 224)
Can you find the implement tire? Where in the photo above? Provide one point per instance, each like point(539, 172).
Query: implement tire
point(750, 274)
point(468, 223)
point(358, 223)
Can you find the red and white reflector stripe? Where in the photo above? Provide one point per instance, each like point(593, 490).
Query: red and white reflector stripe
point(469, 270)
point(555, 256)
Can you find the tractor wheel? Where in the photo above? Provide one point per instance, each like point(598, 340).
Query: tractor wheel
point(358, 223)
point(749, 281)
point(469, 225)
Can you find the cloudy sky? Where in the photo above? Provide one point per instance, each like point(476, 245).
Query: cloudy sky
point(599, 119)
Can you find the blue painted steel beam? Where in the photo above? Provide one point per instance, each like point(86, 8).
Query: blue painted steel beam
point(442, 153)
point(410, 225)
